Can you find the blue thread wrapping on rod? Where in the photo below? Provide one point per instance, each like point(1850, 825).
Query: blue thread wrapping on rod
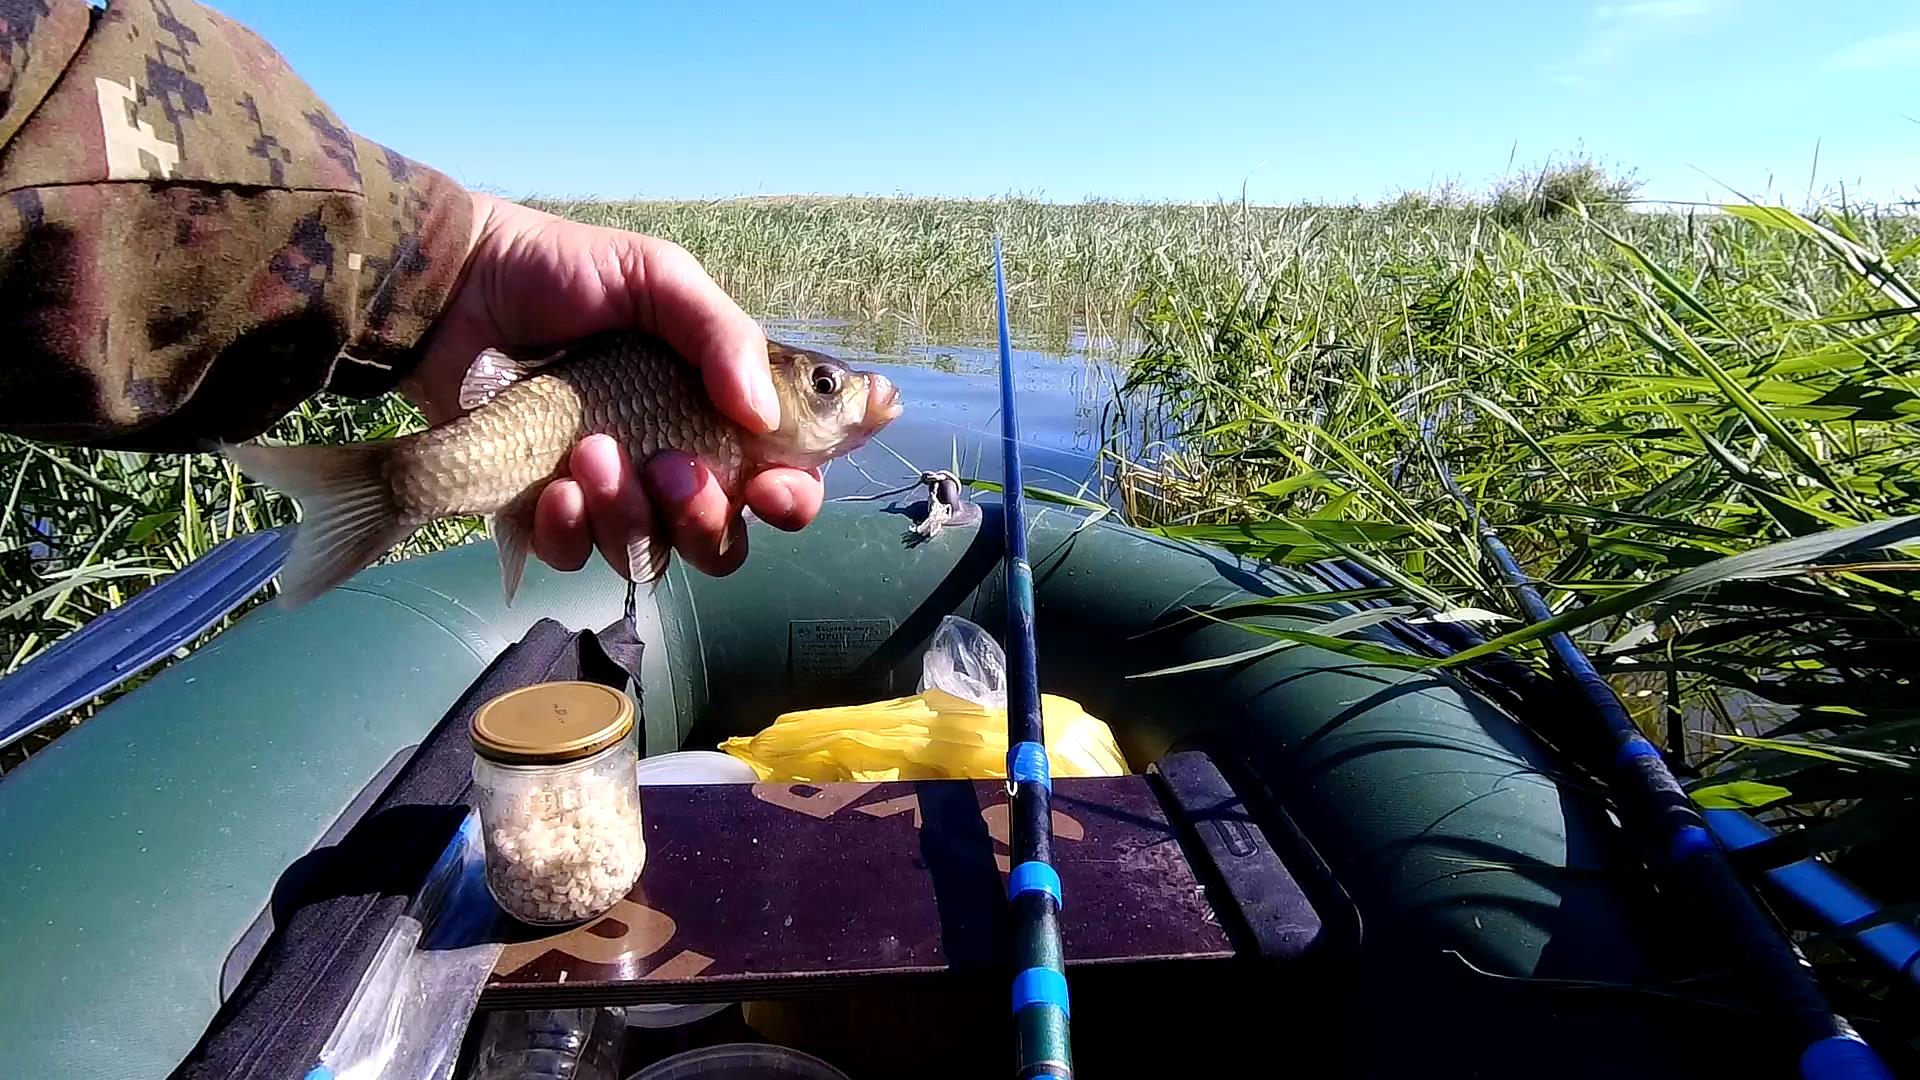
point(1035, 877)
point(1020, 584)
point(1040, 986)
point(1027, 764)
point(1690, 842)
point(1636, 747)
point(1841, 1057)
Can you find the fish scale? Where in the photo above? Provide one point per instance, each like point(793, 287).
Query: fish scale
point(481, 462)
point(521, 425)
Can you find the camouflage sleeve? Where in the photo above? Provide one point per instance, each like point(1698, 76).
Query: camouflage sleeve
point(191, 242)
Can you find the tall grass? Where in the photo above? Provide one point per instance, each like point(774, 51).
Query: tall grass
point(1072, 270)
point(1623, 400)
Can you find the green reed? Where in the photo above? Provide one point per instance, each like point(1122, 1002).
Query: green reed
point(1627, 398)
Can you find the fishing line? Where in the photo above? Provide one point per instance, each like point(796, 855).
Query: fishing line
point(985, 434)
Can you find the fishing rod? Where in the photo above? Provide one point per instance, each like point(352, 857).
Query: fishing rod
point(1040, 1008)
point(1633, 767)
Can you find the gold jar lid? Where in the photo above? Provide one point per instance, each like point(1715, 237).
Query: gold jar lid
point(551, 723)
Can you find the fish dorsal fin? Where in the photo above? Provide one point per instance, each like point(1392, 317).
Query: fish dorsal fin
point(492, 372)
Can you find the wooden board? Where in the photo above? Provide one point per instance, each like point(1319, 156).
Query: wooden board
point(775, 889)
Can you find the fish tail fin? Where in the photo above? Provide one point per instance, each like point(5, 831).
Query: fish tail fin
point(349, 515)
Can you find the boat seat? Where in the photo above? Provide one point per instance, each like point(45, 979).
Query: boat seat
point(777, 890)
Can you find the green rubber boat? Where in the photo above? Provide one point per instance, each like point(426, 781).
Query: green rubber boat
point(1505, 926)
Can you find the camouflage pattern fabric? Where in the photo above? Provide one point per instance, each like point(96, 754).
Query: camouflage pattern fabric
point(191, 242)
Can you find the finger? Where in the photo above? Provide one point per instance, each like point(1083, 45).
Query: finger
point(617, 510)
point(675, 298)
point(695, 514)
point(560, 526)
point(552, 281)
point(784, 498)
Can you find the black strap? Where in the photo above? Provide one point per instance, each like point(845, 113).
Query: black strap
point(348, 897)
point(612, 655)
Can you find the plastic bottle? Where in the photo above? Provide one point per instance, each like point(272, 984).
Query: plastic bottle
point(551, 1044)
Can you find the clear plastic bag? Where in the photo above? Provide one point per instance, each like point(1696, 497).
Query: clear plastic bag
point(965, 661)
point(408, 1016)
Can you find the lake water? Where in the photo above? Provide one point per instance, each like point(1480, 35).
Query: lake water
point(952, 396)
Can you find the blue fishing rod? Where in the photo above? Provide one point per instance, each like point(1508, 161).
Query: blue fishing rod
point(1040, 1008)
point(1650, 796)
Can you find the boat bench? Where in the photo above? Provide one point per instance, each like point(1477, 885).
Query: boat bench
point(778, 890)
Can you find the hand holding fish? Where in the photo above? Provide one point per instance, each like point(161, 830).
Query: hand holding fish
point(565, 354)
point(534, 280)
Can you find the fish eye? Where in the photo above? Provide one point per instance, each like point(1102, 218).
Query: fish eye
point(826, 380)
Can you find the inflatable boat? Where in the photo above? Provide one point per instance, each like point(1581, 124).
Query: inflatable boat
point(1318, 865)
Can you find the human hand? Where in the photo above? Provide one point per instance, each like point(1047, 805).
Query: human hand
point(532, 281)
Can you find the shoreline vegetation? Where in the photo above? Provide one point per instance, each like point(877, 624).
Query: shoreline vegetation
point(1626, 392)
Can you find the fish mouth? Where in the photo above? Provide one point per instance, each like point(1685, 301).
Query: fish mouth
point(883, 400)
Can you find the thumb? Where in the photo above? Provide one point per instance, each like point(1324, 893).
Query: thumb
point(671, 295)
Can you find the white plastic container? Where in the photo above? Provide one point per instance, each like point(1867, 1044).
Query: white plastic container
point(553, 771)
point(740, 1061)
point(694, 767)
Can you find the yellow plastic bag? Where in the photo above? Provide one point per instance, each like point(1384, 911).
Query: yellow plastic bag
point(932, 735)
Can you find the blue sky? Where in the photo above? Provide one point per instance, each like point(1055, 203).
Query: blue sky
point(1064, 99)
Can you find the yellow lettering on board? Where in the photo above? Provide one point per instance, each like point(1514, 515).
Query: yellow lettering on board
point(648, 931)
point(999, 819)
point(823, 803)
point(890, 807)
point(685, 964)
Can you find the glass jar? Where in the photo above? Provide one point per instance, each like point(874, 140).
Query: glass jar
point(553, 778)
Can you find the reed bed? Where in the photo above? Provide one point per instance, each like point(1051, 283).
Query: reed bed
point(1626, 399)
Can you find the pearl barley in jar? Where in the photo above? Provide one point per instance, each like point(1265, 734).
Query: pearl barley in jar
point(553, 777)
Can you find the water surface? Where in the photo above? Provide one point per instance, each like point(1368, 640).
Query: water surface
point(952, 398)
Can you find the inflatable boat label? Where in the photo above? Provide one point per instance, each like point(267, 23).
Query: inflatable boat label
point(833, 654)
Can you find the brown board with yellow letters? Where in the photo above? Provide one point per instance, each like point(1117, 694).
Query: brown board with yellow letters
point(779, 889)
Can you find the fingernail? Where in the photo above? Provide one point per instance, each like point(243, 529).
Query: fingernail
point(766, 404)
point(678, 479)
point(781, 503)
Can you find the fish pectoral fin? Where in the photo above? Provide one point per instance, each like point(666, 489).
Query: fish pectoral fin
point(492, 372)
point(512, 531)
point(647, 557)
